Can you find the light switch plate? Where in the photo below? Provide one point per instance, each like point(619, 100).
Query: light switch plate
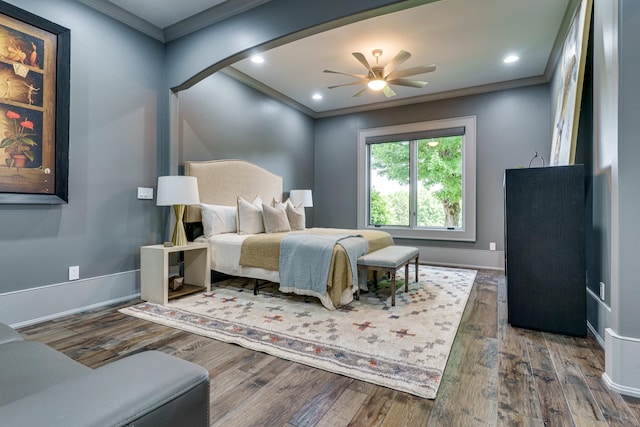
point(145, 193)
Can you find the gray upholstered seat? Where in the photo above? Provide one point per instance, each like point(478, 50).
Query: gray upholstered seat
point(40, 386)
point(389, 259)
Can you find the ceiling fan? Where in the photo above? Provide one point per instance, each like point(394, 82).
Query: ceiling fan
point(380, 77)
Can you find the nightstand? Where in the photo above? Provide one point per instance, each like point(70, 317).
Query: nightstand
point(154, 271)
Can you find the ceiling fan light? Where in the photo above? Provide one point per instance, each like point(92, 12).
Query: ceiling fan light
point(377, 84)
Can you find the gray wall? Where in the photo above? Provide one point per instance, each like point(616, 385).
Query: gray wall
point(625, 314)
point(116, 76)
point(221, 118)
point(511, 126)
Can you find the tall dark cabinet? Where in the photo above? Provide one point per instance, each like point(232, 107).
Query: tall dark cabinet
point(544, 249)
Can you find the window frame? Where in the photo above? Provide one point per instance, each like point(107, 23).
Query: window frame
point(468, 232)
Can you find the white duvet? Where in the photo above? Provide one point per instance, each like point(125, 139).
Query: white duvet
point(225, 257)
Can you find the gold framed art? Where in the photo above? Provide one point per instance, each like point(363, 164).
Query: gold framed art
point(34, 108)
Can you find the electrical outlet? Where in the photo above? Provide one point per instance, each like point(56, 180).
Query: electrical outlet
point(602, 295)
point(74, 272)
point(492, 246)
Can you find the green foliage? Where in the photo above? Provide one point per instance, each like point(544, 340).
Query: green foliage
point(378, 208)
point(430, 212)
point(442, 165)
point(439, 174)
point(399, 208)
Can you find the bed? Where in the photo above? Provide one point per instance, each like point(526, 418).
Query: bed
point(256, 255)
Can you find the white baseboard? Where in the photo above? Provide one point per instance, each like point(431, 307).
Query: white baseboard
point(604, 317)
point(30, 306)
point(464, 258)
point(622, 370)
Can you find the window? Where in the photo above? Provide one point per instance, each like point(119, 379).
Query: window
point(418, 180)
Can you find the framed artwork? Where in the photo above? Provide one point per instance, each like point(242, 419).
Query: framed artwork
point(568, 95)
point(34, 108)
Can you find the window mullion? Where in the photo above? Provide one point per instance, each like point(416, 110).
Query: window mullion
point(413, 182)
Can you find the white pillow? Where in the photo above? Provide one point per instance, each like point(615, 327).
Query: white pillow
point(296, 217)
point(218, 219)
point(275, 219)
point(250, 216)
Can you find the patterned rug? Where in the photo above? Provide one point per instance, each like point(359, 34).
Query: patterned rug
point(403, 347)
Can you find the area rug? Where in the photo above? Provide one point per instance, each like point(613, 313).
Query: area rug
point(403, 347)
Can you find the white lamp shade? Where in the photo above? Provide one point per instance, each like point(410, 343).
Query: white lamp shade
point(177, 190)
point(301, 198)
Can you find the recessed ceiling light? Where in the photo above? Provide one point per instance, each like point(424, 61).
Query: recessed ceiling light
point(257, 59)
point(511, 58)
point(317, 96)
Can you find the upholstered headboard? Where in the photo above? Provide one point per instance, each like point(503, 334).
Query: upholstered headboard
point(220, 182)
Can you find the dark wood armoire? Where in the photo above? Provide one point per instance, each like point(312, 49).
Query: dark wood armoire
point(545, 249)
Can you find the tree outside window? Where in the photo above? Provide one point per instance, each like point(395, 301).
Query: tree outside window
point(438, 188)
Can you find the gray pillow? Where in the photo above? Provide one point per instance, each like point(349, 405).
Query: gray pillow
point(296, 217)
point(275, 219)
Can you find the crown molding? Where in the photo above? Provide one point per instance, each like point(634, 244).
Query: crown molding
point(474, 90)
point(267, 90)
point(189, 25)
point(208, 17)
point(126, 17)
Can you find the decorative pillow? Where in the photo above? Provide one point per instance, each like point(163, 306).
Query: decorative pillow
point(275, 219)
point(250, 216)
point(281, 205)
point(296, 217)
point(218, 219)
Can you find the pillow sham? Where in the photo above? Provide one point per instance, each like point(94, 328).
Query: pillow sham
point(250, 216)
point(218, 219)
point(281, 205)
point(296, 217)
point(275, 219)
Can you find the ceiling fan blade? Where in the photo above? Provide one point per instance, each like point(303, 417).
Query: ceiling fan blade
point(357, 82)
point(423, 69)
point(360, 92)
point(405, 82)
point(388, 92)
point(402, 56)
point(357, 76)
point(360, 57)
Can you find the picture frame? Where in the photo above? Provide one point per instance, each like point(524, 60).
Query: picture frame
point(34, 108)
point(568, 94)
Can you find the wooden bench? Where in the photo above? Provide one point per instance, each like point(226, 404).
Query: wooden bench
point(389, 260)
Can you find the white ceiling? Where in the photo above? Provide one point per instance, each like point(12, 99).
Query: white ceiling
point(466, 40)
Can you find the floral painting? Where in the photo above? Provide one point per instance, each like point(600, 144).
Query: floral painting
point(32, 118)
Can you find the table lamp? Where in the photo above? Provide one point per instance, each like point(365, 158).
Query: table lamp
point(178, 191)
point(301, 198)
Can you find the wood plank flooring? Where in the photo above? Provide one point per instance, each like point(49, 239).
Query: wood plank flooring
point(496, 375)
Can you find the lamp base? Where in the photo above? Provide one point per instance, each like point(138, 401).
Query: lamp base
point(179, 234)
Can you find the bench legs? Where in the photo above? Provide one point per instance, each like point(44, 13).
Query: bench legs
point(362, 272)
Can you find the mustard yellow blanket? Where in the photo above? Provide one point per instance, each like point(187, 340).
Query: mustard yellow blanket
point(263, 251)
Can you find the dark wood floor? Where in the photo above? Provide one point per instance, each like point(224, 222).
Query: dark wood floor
point(496, 375)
